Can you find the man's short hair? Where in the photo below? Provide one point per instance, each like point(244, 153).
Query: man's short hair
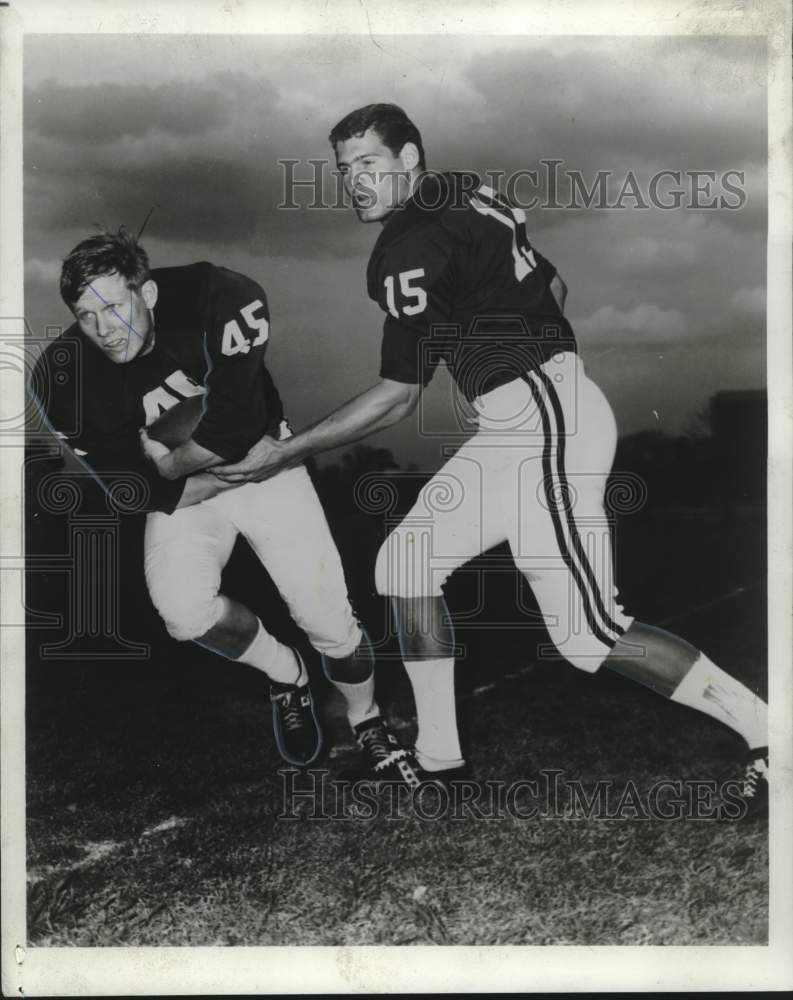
point(102, 254)
point(389, 121)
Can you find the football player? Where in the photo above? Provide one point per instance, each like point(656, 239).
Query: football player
point(455, 273)
point(143, 345)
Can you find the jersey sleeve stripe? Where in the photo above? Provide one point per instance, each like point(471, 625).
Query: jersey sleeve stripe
point(523, 256)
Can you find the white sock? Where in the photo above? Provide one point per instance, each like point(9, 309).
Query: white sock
point(279, 662)
point(437, 743)
point(709, 689)
point(360, 700)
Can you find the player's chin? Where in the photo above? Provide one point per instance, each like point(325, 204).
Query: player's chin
point(373, 214)
point(120, 356)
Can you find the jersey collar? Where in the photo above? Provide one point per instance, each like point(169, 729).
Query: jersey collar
point(433, 193)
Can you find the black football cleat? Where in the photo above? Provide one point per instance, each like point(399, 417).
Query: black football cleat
point(448, 777)
point(295, 725)
point(754, 791)
point(385, 760)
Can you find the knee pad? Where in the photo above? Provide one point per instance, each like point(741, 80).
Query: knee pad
point(404, 565)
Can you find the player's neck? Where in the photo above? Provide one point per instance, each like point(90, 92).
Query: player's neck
point(415, 177)
point(414, 182)
point(151, 336)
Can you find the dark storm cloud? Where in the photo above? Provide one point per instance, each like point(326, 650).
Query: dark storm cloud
point(106, 112)
point(194, 198)
point(205, 152)
point(200, 133)
point(603, 107)
point(204, 201)
point(616, 105)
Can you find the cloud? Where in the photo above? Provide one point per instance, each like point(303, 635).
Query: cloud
point(625, 102)
point(653, 255)
point(99, 114)
point(646, 320)
point(216, 178)
point(619, 105)
point(749, 302)
point(196, 125)
point(208, 145)
point(43, 273)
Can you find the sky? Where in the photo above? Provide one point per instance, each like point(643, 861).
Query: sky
point(668, 305)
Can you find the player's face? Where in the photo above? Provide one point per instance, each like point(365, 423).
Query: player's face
point(378, 181)
point(117, 318)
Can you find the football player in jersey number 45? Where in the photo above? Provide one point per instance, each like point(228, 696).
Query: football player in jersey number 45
point(459, 281)
point(144, 342)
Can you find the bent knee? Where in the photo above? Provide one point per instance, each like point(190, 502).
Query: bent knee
point(340, 643)
point(590, 662)
point(404, 566)
point(188, 618)
point(584, 652)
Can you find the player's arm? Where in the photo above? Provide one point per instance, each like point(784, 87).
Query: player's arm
point(559, 291)
point(402, 378)
point(118, 463)
point(186, 459)
point(196, 488)
point(414, 299)
point(113, 459)
point(384, 404)
point(201, 486)
point(237, 331)
point(169, 463)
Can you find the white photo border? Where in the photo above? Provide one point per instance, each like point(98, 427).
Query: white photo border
point(35, 971)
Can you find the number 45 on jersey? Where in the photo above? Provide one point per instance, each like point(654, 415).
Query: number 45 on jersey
point(235, 341)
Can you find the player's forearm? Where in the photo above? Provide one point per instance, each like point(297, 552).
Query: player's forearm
point(559, 291)
point(200, 487)
point(186, 459)
point(374, 410)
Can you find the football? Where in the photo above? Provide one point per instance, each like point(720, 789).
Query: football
point(175, 426)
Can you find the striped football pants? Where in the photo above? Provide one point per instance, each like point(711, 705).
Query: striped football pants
point(534, 475)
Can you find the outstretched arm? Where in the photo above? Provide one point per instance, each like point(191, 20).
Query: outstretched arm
point(384, 404)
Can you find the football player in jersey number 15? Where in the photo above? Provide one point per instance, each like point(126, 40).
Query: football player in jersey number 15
point(455, 273)
point(145, 345)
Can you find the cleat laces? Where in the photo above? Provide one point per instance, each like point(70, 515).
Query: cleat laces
point(755, 772)
point(291, 718)
point(376, 742)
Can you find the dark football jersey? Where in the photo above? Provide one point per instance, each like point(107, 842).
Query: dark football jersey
point(211, 331)
point(461, 283)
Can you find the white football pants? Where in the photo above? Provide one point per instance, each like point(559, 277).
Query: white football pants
point(284, 523)
point(533, 475)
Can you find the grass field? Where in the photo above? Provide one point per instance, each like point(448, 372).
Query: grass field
point(154, 794)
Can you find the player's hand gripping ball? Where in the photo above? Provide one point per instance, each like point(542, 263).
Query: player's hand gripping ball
point(171, 428)
point(176, 425)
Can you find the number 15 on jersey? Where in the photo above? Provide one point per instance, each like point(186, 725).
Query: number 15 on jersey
point(413, 298)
